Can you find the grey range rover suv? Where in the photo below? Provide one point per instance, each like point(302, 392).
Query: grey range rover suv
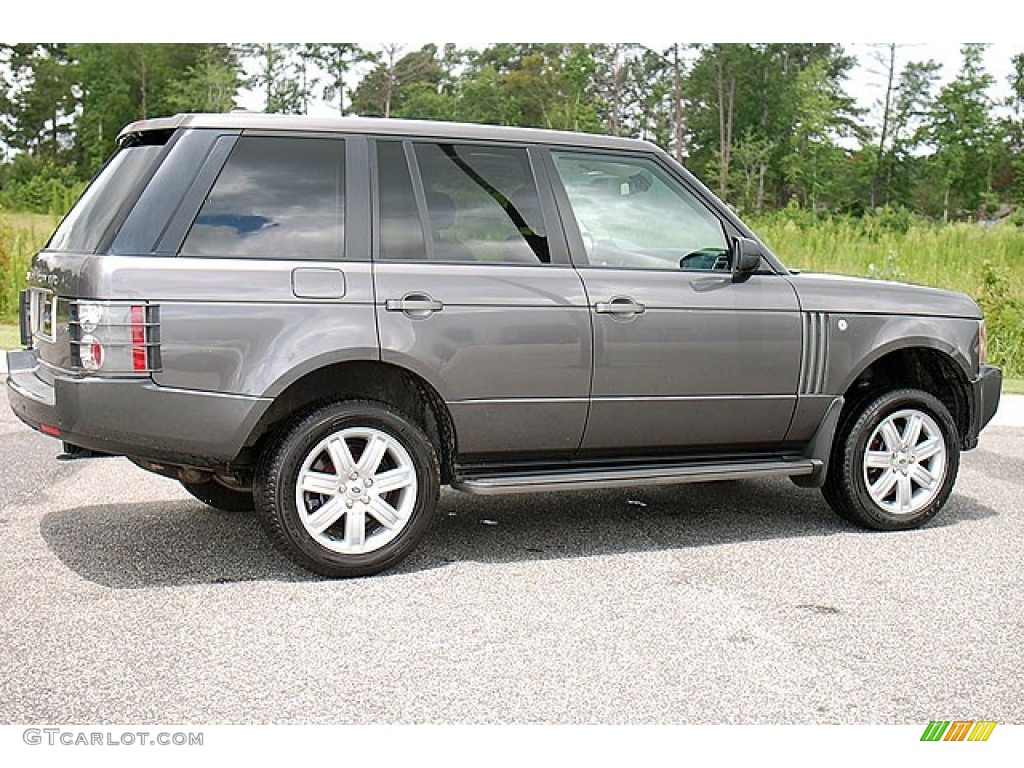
point(328, 319)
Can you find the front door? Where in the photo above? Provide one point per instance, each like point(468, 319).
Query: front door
point(684, 358)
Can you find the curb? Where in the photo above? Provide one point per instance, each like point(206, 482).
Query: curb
point(1010, 413)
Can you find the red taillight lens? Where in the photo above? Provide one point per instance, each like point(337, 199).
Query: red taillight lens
point(139, 356)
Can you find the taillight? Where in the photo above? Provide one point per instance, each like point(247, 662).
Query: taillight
point(114, 337)
point(90, 353)
point(982, 344)
point(140, 357)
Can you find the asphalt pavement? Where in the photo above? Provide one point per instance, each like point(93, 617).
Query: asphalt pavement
point(127, 601)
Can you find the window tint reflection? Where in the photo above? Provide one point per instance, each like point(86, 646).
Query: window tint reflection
point(277, 198)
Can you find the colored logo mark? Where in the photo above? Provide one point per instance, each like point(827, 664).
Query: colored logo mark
point(958, 730)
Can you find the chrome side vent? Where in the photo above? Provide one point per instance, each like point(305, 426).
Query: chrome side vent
point(814, 355)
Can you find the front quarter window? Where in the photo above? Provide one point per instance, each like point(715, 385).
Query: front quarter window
point(632, 215)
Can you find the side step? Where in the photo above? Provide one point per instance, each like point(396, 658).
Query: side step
point(583, 479)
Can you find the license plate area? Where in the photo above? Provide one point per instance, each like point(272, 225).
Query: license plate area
point(42, 314)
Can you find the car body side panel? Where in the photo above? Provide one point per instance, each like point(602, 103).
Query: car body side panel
point(237, 325)
point(839, 293)
point(509, 351)
point(709, 361)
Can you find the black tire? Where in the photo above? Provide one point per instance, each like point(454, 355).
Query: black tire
point(367, 531)
point(914, 454)
point(219, 496)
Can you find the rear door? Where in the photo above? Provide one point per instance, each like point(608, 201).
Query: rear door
point(475, 293)
point(684, 358)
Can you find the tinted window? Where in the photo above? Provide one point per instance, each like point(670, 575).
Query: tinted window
point(401, 231)
point(277, 198)
point(85, 225)
point(482, 204)
point(632, 214)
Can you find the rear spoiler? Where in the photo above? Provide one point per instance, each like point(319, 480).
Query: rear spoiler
point(166, 124)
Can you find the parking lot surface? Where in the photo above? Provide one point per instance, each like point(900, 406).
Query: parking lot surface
point(127, 601)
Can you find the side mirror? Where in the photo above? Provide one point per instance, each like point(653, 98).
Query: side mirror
point(746, 258)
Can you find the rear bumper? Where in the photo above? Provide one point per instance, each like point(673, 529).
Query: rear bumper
point(133, 417)
point(985, 392)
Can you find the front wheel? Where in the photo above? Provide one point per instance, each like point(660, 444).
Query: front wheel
point(349, 489)
point(894, 461)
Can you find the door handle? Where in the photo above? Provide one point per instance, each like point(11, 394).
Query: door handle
point(620, 305)
point(414, 305)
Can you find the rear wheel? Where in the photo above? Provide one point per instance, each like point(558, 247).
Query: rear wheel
point(894, 462)
point(349, 489)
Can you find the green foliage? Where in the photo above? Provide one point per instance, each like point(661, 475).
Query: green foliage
point(763, 123)
point(281, 75)
point(38, 101)
point(986, 263)
point(962, 131)
point(385, 88)
point(120, 83)
point(812, 166)
point(786, 96)
point(336, 60)
point(208, 85)
point(31, 183)
point(1004, 317)
point(21, 236)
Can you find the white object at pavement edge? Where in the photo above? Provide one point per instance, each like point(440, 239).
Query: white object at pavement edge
point(1010, 413)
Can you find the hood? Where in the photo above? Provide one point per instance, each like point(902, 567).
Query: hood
point(837, 293)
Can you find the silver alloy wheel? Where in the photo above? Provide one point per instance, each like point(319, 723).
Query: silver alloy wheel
point(356, 490)
point(905, 462)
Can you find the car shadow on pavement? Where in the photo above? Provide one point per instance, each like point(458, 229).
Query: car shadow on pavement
point(582, 524)
point(179, 542)
point(165, 543)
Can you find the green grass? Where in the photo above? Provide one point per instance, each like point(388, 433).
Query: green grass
point(9, 337)
point(21, 235)
point(1013, 386)
point(986, 263)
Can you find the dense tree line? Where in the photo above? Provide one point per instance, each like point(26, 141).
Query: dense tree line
point(766, 125)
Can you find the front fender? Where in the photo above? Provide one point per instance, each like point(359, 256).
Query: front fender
point(869, 338)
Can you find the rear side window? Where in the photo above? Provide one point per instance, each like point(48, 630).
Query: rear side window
point(401, 232)
point(469, 202)
point(108, 194)
point(276, 198)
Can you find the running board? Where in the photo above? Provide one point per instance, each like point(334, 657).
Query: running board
point(584, 479)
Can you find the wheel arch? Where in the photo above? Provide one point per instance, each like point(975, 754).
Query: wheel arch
point(931, 365)
point(364, 380)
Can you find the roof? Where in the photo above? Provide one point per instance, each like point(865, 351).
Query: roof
point(242, 120)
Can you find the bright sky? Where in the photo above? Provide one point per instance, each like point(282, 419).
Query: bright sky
point(868, 87)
